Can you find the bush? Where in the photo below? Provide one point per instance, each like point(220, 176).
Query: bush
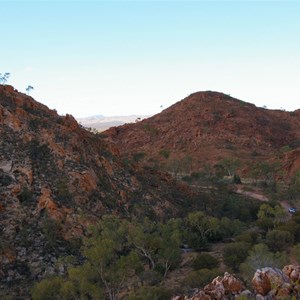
point(260, 257)
point(151, 293)
point(279, 240)
point(295, 251)
point(234, 254)
point(250, 237)
point(47, 289)
point(150, 277)
point(205, 261)
point(52, 232)
point(200, 278)
point(138, 156)
point(165, 153)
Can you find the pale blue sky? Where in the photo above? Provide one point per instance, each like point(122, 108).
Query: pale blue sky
point(131, 57)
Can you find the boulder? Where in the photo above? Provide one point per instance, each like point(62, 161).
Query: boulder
point(232, 284)
point(293, 272)
point(267, 279)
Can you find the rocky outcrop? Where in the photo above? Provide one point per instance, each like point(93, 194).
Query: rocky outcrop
point(268, 283)
point(226, 287)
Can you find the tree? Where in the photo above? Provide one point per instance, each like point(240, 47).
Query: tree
point(146, 241)
point(295, 251)
point(260, 257)
point(230, 165)
point(269, 217)
point(293, 191)
point(47, 289)
point(234, 254)
point(205, 261)
point(169, 252)
point(113, 268)
point(278, 240)
point(4, 78)
point(29, 88)
point(109, 255)
point(205, 226)
point(267, 172)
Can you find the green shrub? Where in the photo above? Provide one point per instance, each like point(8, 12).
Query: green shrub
point(295, 251)
point(151, 293)
point(279, 240)
point(52, 232)
point(205, 261)
point(47, 289)
point(150, 129)
point(200, 278)
point(165, 153)
point(25, 195)
point(234, 254)
point(250, 237)
point(138, 156)
point(260, 257)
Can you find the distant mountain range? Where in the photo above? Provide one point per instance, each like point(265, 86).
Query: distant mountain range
point(102, 123)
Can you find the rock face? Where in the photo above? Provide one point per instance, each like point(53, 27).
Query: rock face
point(268, 283)
point(55, 179)
point(207, 127)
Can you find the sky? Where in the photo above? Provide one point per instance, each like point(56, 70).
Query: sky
point(139, 57)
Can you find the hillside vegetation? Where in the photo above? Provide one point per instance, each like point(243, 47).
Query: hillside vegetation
point(149, 210)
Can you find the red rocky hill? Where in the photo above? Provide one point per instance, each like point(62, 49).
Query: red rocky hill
point(55, 179)
point(207, 127)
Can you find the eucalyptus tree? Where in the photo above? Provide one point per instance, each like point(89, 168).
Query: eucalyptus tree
point(29, 88)
point(4, 78)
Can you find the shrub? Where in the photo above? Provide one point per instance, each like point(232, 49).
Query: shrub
point(25, 195)
point(295, 251)
point(260, 257)
point(250, 237)
point(151, 293)
point(278, 240)
point(234, 254)
point(205, 261)
point(150, 129)
point(138, 156)
point(198, 279)
point(47, 289)
point(165, 153)
point(51, 230)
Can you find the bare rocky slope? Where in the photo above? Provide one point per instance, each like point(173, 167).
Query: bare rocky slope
point(56, 178)
point(207, 127)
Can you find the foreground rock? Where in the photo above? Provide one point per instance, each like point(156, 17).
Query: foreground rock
point(268, 283)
